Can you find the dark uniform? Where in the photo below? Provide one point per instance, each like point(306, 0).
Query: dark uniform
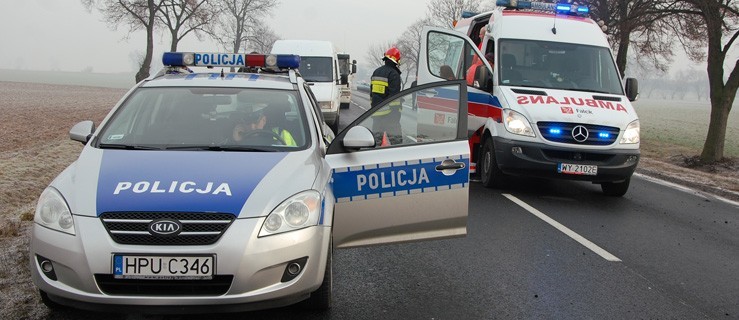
point(385, 82)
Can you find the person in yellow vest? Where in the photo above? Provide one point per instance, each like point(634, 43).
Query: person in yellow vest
point(385, 83)
point(254, 125)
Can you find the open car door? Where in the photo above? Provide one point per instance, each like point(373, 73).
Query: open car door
point(404, 183)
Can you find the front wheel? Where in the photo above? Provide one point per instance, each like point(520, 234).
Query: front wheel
point(321, 298)
point(490, 174)
point(615, 189)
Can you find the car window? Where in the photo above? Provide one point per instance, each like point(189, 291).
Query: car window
point(208, 118)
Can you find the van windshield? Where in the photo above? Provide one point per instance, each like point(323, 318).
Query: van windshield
point(555, 65)
point(317, 69)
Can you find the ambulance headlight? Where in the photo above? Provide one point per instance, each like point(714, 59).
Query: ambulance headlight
point(53, 212)
point(297, 212)
point(631, 134)
point(516, 123)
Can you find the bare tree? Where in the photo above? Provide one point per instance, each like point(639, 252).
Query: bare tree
point(261, 38)
point(376, 51)
point(709, 29)
point(182, 17)
point(409, 45)
point(232, 24)
point(442, 13)
point(136, 14)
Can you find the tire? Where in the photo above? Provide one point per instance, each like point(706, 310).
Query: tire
point(344, 106)
point(615, 189)
point(490, 174)
point(335, 126)
point(321, 298)
point(53, 306)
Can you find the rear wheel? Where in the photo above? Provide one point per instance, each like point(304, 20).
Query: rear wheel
point(344, 106)
point(615, 189)
point(490, 174)
point(321, 298)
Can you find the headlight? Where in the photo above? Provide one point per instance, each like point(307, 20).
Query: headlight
point(516, 123)
point(53, 212)
point(297, 212)
point(631, 134)
point(325, 105)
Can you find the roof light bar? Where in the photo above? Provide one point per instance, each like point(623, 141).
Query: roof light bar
point(560, 8)
point(205, 59)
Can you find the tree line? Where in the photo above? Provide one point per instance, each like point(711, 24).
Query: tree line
point(640, 32)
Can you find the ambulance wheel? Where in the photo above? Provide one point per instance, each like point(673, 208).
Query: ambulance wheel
point(344, 106)
point(490, 174)
point(321, 298)
point(615, 189)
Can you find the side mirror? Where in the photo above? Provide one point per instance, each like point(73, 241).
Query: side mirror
point(82, 131)
point(344, 79)
point(632, 89)
point(358, 137)
point(484, 79)
point(354, 66)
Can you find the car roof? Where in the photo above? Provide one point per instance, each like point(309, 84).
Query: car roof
point(218, 79)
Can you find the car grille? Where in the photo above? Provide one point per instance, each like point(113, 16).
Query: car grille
point(565, 135)
point(198, 228)
point(217, 286)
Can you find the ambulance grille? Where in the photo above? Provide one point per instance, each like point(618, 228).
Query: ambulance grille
point(198, 228)
point(132, 287)
point(548, 131)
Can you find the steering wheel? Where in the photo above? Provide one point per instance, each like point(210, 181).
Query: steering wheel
point(262, 132)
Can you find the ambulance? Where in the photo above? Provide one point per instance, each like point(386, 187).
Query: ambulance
point(550, 103)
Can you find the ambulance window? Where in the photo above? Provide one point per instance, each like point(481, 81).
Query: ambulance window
point(448, 56)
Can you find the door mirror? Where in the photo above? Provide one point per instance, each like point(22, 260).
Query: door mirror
point(354, 66)
point(632, 89)
point(82, 131)
point(483, 78)
point(358, 137)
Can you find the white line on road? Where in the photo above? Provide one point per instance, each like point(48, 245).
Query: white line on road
point(360, 107)
point(572, 234)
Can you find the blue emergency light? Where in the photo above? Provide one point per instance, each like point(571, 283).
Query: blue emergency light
point(555, 131)
point(207, 59)
point(559, 8)
point(604, 135)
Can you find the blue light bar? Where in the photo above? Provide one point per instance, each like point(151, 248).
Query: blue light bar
point(556, 131)
point(468, 14)
point(563, 8)
point(604, 135)
point(560, 8)
point(583, 10)
point(206, 59)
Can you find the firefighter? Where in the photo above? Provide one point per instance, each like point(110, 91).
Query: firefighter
point(385, 83)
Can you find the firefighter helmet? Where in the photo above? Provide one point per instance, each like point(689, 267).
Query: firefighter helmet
point(393, 54)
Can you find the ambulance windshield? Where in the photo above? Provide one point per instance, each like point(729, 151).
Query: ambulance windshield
point(566, 66)
point(317, 69)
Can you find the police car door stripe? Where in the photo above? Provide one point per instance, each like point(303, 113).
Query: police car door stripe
point(393, 179)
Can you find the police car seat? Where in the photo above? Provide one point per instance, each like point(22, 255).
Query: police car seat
point(276, 113)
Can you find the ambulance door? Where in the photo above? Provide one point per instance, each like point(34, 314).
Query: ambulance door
point(444, 50)
point(396, 183)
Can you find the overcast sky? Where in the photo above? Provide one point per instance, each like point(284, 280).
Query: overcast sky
point(62, 35)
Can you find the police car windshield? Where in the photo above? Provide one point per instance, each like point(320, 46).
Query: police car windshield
point(566, 66)
point(208, 119)
point(316, 69)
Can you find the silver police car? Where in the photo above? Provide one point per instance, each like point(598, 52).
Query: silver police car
point(226, 191)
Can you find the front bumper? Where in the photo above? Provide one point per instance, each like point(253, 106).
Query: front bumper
point(540, 160)
point(256, 266)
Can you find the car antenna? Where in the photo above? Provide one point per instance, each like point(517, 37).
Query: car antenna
point(554, 24)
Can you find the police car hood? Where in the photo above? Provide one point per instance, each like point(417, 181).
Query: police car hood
point(245, 184)
point(324, 91)
point(570, 106)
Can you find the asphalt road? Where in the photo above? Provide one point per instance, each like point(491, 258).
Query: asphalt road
point(540, 249)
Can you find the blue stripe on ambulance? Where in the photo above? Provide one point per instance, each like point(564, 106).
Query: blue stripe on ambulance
point(396, 179)
point(180, 181)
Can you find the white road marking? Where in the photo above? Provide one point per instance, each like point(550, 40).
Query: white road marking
point(360, 107)
point(688, 190)
point(572, 234)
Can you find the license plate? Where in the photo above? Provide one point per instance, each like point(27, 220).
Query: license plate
point(163, 267)
point(580, 169)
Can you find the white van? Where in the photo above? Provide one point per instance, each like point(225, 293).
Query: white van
point(319, 66)
point(553, 105)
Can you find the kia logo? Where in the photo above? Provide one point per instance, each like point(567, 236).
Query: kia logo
point(580, 133)
point(165, 227)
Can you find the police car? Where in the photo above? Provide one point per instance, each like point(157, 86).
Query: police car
point(191, 197)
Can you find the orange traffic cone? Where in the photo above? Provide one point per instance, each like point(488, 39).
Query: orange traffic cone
point(385, 142)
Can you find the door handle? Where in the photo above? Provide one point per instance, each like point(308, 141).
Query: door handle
point(449, 167)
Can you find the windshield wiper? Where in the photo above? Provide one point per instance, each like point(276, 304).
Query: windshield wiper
point(126, 146)
point(221, 148)
point(586, 90)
